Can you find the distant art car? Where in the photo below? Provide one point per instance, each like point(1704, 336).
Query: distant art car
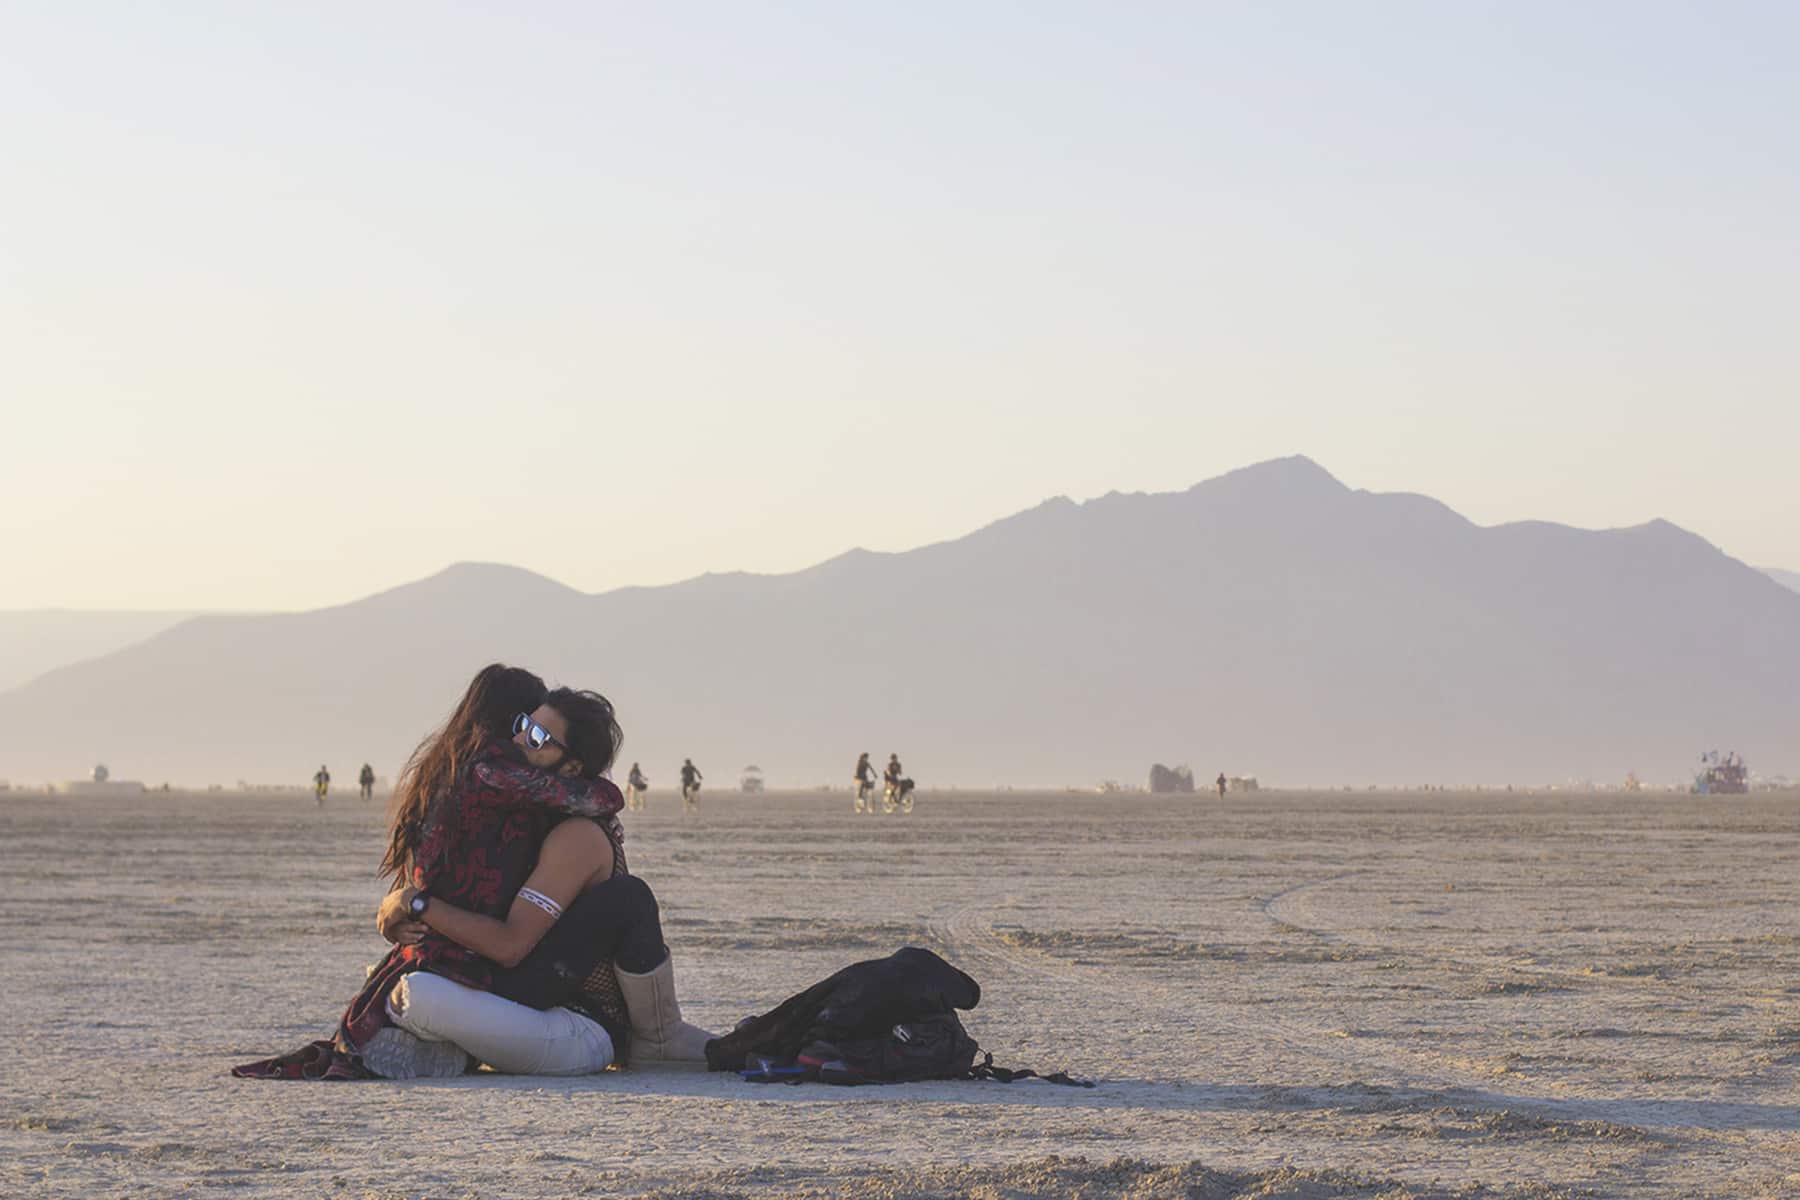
point(752, 780)
point(1167, 780)
point(1727, 776)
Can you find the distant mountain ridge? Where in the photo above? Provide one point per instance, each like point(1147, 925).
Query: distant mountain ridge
point(33, 641)
point(1270, 621)
point(1788, 579)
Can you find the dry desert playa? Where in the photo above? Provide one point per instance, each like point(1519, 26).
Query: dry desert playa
point(1306, 995)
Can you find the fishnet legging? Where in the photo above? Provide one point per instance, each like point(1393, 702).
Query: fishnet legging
point(600, 994)
point(601, 997)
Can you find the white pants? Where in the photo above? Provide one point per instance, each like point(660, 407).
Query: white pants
point(507, 1037)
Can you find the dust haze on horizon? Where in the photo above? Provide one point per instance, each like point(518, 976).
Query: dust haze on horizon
point(625, 295)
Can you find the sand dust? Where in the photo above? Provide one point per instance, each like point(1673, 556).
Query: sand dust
point(1307, 996)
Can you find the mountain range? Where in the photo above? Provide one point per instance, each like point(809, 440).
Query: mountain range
point(37, 640)
point(1268, 622)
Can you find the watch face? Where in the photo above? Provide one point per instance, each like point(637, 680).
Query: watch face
point(418, 904)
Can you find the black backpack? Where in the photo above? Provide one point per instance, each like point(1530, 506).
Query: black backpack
point(886, 1020)
point(933, 1047)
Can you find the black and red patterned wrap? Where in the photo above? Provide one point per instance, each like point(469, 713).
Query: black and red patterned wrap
point(479, 846)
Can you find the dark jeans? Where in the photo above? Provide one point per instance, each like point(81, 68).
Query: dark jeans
point(615, 922)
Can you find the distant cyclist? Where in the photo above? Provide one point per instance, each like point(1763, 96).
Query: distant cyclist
point(321, 783)
point(635, 787)
point(367, 780)
point(896, 791)
point(1220, 781)
point(864, 777)
point(690, 784)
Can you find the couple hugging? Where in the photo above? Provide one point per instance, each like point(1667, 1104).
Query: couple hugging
point(520, 940)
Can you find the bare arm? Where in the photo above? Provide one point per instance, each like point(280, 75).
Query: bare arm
point(575, 855)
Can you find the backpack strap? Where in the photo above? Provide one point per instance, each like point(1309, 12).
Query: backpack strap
point(985, 1069)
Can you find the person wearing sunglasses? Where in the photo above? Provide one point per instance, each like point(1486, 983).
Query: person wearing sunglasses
point(471, 814)
point(579, 932)
point(543, 749)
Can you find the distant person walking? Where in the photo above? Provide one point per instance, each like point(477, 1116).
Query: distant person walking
point(864, 778)
point(690, 785)
point(367, 779)
point(321, 784)
point(1221, 782)
point(635, 787)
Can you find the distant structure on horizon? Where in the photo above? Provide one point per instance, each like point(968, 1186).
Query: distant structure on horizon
point(101, 783)
point(1727, 776)
point(1171, 780)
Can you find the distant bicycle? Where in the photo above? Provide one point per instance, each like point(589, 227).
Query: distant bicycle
point(865, 795)
point(897, 794)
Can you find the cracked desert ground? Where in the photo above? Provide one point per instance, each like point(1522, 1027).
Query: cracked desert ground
point(1307, 995)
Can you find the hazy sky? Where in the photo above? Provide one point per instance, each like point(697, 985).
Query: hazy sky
point(301, 301)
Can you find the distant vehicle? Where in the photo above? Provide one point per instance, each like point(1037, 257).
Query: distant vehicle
point(897, 793)
point(751, 780)
point(101, 774)
point(1727, 776)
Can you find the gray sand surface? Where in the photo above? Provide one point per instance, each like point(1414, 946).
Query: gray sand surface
point(1287, 995)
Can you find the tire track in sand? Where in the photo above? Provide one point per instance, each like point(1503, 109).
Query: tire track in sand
point(1296, 908)
point(968, 930)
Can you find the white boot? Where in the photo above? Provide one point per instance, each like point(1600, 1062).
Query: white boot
point(658, 1034)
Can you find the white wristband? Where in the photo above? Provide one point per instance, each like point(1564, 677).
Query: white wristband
point(533, 896)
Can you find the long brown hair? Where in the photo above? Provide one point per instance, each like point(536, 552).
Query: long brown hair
point(496, 695)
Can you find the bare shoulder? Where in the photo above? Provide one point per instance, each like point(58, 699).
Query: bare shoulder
point(577, 835)
point(577, 852)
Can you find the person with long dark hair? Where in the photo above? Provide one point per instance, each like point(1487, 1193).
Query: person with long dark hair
point(566, 975)
point(470, 815)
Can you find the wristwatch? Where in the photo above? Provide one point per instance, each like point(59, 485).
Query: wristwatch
point(418, 904)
